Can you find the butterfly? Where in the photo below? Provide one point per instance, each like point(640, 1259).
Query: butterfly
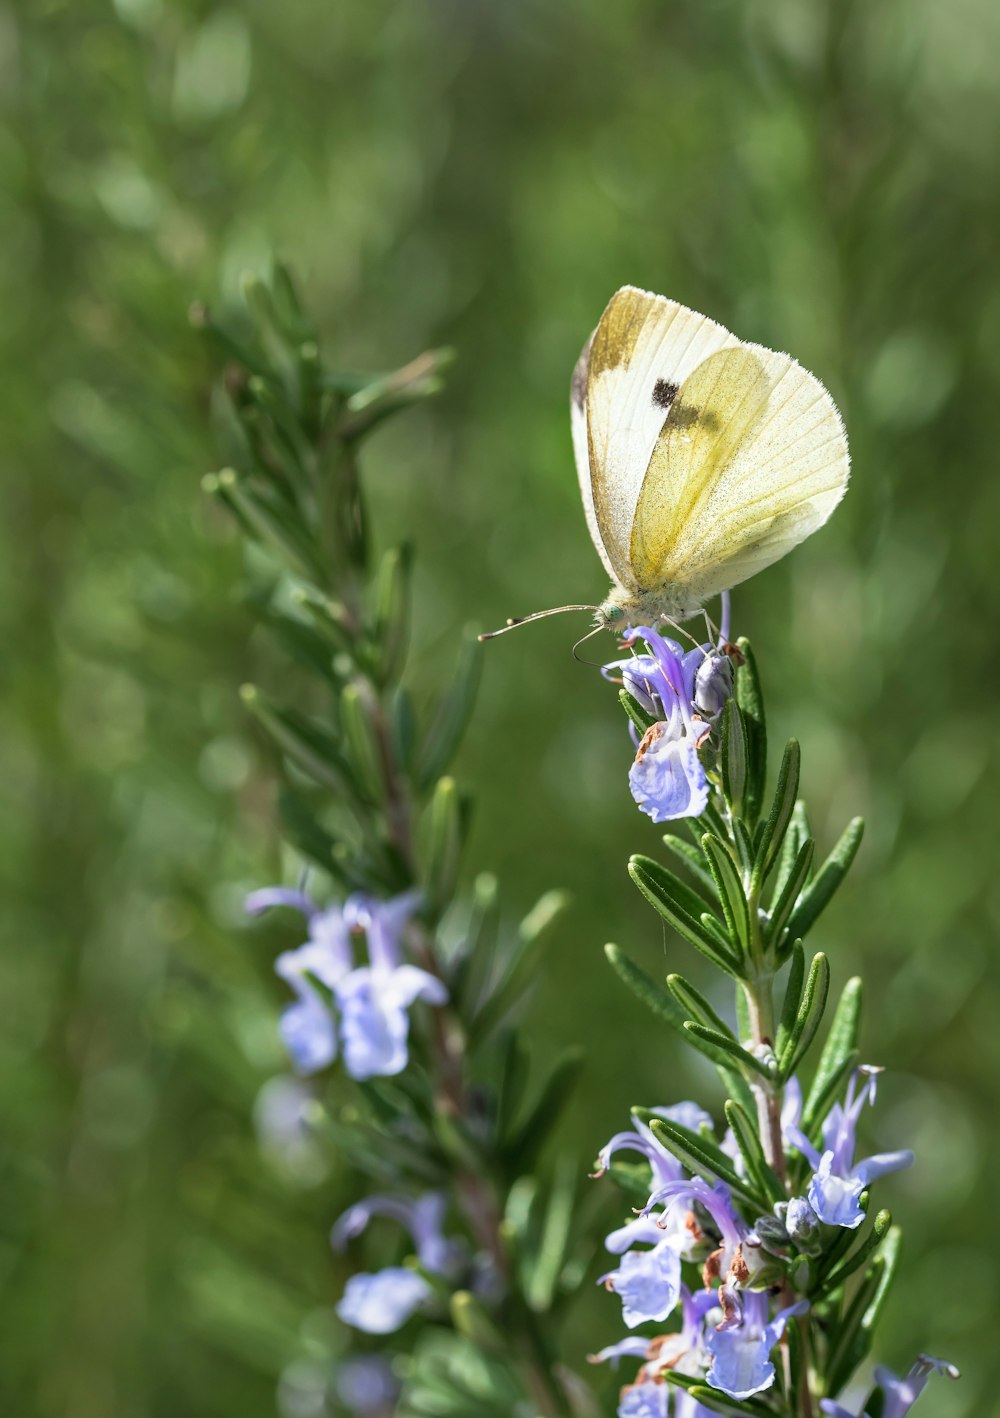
point(701, 458)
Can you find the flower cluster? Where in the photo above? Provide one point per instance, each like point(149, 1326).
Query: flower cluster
point(683, 693)
point(369, 1002)
point(729, 1323)
point(380, 1302)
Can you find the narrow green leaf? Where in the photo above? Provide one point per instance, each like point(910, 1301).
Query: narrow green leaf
point(812, 1120)
point(730, 886)
point(780, 815)
point(677, 904)
point(693, 859)
point(473, 1322)
point(532, 1133)
point(810, 1012)
point(392, 611)
point(696, 1006)
point(702, 1157)
point(855, 1331)
point(784, 900)
point(520, 966)
point(640, 718)
point(644, 987)
point(858, 1258)
point(443, 846)
point(798, 831)
point(477, 955)
point(306, 743)
point(793, 998)
point(361, 742)
point(454, 711)
point(721, 1043)
point(714, 1400)
point(734, 757)
point(750, 699)
point(841, 1041)
point(514, 1072)
point(556, 1232)
point(744, 845)
point(823, 885)
point(759, 1170)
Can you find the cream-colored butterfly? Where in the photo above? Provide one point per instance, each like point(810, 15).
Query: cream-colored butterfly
point(701, 458)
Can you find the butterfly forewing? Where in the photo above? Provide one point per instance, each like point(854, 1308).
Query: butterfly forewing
point(642, 351)
point(750, 460)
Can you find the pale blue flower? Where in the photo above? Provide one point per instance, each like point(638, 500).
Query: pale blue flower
point(741, 1345)
point(837, 1182)
point(382, 1302)
point(371, 1000)
point(682, 1353)
point(366, 1384)
point(647, 1282)
point(650, 1400)
point(639, 1138)
point(900, 1394)
point(683, 692)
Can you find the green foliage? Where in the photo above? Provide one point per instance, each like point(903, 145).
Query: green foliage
point(481, 177)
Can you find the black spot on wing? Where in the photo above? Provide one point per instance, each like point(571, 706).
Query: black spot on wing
point(664, 393)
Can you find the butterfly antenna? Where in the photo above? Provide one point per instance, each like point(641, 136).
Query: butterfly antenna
point(515, 621)
point(590, 633)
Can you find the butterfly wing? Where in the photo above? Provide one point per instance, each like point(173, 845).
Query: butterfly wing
point(642, 351)
point(751, 459)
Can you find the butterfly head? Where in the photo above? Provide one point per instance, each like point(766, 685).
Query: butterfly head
point(623, 608)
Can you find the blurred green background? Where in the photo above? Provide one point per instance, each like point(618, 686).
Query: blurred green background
point(820, 177)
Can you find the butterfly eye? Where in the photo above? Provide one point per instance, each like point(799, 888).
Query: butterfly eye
point(614, 612)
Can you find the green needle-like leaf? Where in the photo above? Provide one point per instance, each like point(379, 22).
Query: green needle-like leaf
point(793, 998)
point(858, 1258)
point(759, 1170)
point(841, 1042)
point(730, 888)
point(645, 988)
point(785, 793)
point(454, 710)
point(714, 1045)
point(734, 757)
point(808, 1017)
point(640, 718)
point(696, 1006)
point(819, 892)
point(681, 907)
point(705, 1159)
point(750, 699)
point(784, 901)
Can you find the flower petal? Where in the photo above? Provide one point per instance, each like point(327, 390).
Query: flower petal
point(667, 779)
point(382, 1302)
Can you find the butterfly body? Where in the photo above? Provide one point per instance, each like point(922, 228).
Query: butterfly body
point(701, 458)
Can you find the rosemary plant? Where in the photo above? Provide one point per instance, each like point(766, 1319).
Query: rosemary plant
point(754, 1261)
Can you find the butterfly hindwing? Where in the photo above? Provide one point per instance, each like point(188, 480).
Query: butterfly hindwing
point(750, 460)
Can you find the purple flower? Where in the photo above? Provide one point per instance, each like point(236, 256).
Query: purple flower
point(741, 1345)
point(366, 1384)
point(648, 1282)
point(665, 1166)
point(838, 1181)
point(683, 1353)
point(733, 1230)
point(900, 1394)
point(650, 1400)
point(372, 1000)
point(422, 1216)
point(381, 1302)
point(683, 691)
